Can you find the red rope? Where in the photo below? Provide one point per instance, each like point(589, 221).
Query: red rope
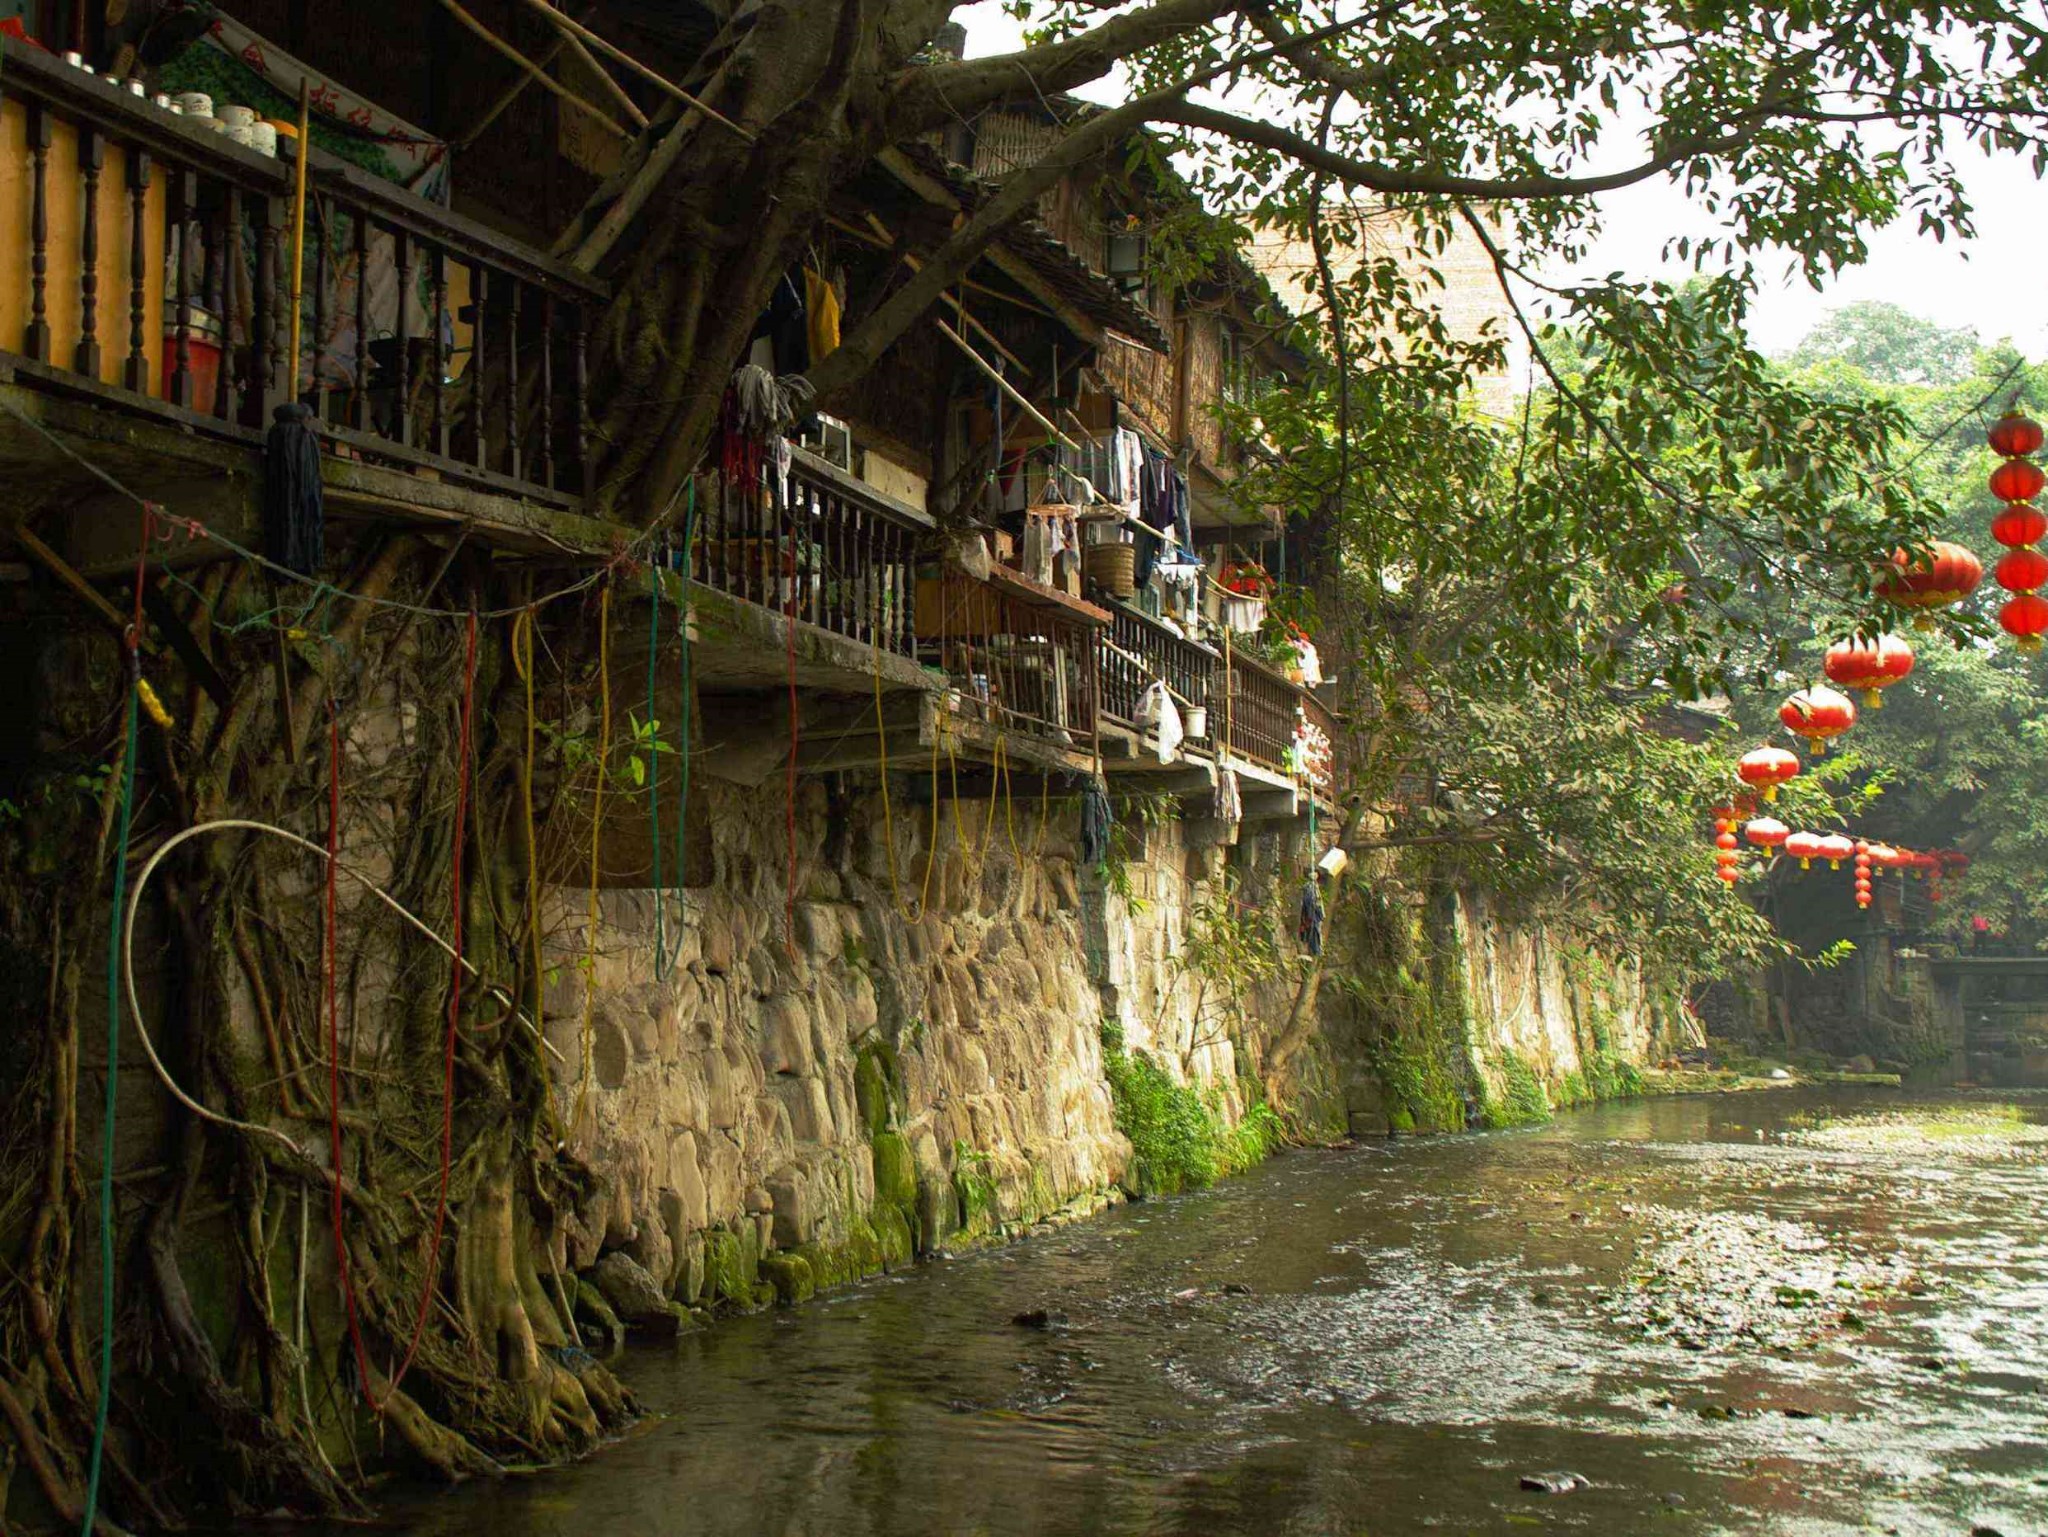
point(419, 1327)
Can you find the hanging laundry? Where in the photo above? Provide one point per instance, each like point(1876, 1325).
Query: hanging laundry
point(786, 325)
point(1227, 805)
point(293, 510)
point(1129, 451)
point(1148, 548)
point(821, 299)
point(1309, 926)
point(1098, 820)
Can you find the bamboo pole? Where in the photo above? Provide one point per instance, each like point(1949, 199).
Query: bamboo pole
point(576, 28)
point(511, 94)
point(540, 76)
point(618, 92)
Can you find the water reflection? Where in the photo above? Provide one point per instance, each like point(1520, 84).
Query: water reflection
point(1383, 1341)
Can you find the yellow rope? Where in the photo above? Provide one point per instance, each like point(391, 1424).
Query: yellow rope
point(931, 852)
point(522, 659)
point(604, 747)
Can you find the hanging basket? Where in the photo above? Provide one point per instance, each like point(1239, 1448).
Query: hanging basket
point(1112, 567)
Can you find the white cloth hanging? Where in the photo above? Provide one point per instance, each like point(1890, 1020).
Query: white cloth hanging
point(1158, 714)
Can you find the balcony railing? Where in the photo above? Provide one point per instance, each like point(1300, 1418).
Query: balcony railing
point(828, 550)
point(1261, 714)
point(1020, 658)
point(155, 261)
point(1138, 651)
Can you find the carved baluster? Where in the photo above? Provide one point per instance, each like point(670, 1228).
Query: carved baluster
point(547, 392)
point(322, 276)
point(92, 157)
point(438, 260)
point(36, 340)
point(479, 308)
point(182, 388)
point(401, 409)
point(136, 373)
point(360, 415)
point(274, 335)
point(224, 274)
point(512, 466)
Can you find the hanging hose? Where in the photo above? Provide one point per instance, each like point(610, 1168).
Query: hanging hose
point(124, 827)
point(654, 770)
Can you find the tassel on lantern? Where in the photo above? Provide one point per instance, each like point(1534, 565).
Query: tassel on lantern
point(294, 515)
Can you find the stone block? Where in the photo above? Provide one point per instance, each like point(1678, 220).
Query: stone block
point(629, 1288)
point(786, 1045)
point(688, 1189)
point(653, 1247)
point(794, 1211)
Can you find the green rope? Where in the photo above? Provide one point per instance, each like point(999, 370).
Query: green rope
point(99, 1428)
point(654, 772)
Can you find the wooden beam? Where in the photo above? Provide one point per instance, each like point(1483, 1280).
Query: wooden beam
point(62, 569)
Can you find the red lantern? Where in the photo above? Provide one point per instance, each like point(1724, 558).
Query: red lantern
point(1804, 847)
point(1767, 833)
point(2017, 480)
point(2021, 524)
point(1953, 862)
point(2023, 570)
point(1834, 849)
point(1946, 574)
point(2025, 618)
point(1725, 841)
point(1884, 856)
point(1818, 714)
point(1766, 768)
point(2014, 435)
point(1729, 874)
point(1869, 665)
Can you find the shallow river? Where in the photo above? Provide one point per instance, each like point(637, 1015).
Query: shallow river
point(1766, 1312)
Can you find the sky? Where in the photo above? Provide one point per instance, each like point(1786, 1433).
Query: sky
point(1991, 284)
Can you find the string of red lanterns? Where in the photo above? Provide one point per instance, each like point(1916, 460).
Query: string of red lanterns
point(2023, 570)
point(1944, 575)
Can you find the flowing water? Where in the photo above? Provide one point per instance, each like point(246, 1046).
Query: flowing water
point(1767, 1312)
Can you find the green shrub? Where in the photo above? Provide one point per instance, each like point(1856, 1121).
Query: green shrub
point(1523, 1101)
point(1179, 1140)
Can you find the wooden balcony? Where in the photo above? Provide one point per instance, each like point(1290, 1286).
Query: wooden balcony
point(828, 550)
point(153, 263)
point(1138, 651)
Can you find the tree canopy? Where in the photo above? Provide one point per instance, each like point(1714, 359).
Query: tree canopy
point(1792, 128)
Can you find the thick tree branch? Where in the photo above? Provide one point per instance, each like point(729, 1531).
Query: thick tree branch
point(936, 94)
point(1397, 180)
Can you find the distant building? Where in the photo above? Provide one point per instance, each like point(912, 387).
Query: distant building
point(1468, 295)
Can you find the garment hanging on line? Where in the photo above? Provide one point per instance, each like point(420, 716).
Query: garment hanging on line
point(1309, 926)
point(821, 299)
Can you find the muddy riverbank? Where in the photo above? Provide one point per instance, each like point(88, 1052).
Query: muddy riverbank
point(1804, 1312)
